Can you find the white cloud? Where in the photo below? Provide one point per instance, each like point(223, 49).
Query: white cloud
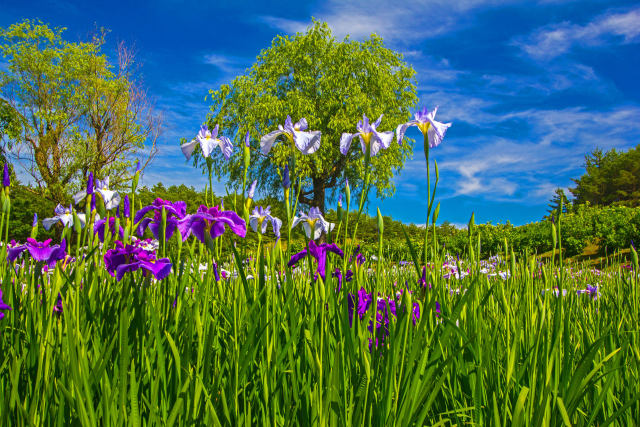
point(401, 22)
point(553, 40)
point(228, 64)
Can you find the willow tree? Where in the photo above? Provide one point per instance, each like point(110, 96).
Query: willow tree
point(331, 84)
point(77, 112)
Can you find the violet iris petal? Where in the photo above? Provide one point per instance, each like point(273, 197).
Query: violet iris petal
point(3, 306)
point(175, 212)
point(100, 225)
point(129, 258)
point(319, 252)
point(212, 220)
point(6, 177)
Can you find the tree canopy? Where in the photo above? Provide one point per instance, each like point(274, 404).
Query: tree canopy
point(332, 84)
point(68, 111)
point(611, 178)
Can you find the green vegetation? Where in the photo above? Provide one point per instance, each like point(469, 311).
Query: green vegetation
point(331, 84)
point(66, 111)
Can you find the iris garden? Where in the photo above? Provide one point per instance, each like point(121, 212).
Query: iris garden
point(149, 315)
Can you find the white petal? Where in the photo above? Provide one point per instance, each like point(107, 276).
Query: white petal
point(375, 146)
point(78, 197)
point(307, 142)
point(253, 222)
point(226, 146)
point(436, 132)
point(297, 220)
point(207, 145)
point(385, 138)
point(266, 142)
point(345, 142)
point(187, 149)
point(401, 129)
point(48, 222)
point(318, 228)
point(307, 230)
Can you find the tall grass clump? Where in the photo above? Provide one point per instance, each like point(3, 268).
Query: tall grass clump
point(193, 326)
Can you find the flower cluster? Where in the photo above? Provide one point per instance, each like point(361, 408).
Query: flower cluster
point(39, 251)
point(126, 258)
point(386, 309)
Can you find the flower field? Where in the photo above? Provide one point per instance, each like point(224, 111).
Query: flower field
point(151, 315)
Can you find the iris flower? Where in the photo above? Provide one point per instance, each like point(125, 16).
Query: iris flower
point(208, 141)
point(3, 306)
point(65, 216)
point(306, 142)
point(111, 198)
point(212, 221)
point(319, 252)
point(368, 136)
point(87, 192)
point(39, 251)
point(425, 121)
point(100, 225)
point(261, 217)
point(6, 177)
point(314, 223)
point(175, 212)
point(127, 258)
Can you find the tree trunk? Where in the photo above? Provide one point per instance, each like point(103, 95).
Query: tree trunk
point(318, 194)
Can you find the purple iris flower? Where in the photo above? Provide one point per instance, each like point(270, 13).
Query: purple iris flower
point(425, 121)
point(127, 258)
point(319, 252)
point(360, 303)
point(3, 306)
point(58, 309)
point(100, 225)
point(423, 280)
point(212, 221)
point(286, 180)
point(35, 220)
point(261, 217)
point(126, 206)
point(247, 140)
point(78, 197)
point(359, 257)
point(6, 177)
point(368, 136)
point(347, 277)
point(39, 251)
point(438, 311)
point(208, 141)
point(306, 142)
point(175, 212)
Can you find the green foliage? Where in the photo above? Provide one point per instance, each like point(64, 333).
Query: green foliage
point(77, 114)
point(558, 199)
point(611, 178)
point(331, 84)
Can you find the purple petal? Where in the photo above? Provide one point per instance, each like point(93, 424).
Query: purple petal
point(297, 257)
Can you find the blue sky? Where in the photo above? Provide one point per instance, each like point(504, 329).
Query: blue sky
point(529, 86)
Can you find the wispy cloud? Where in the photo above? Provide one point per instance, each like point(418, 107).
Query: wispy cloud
point(228, 64)
point(556, 39)
point(399, 22)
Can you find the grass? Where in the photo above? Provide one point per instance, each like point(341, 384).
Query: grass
point(278, 350)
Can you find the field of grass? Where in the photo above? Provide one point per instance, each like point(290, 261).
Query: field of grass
point(196, 327)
